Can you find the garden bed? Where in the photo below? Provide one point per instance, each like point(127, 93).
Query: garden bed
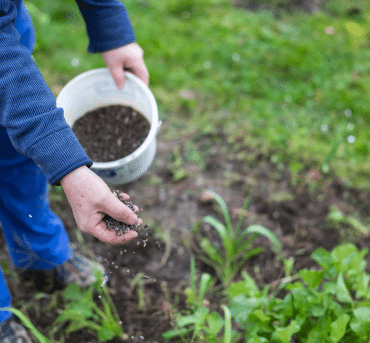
point(297, 215)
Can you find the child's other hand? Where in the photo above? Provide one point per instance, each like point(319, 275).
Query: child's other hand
point(129, 57)
point(90, 199)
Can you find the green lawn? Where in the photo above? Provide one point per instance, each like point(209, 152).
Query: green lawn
point(295, 87)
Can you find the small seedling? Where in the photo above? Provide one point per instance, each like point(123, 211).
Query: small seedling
point(236, 247)
point(81, 311)
point(200, 324)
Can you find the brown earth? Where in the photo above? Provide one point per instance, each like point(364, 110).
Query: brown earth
point(297, 215)
point(104, 140)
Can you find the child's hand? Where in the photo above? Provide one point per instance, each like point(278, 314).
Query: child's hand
point(129, 57)
point(90, 199)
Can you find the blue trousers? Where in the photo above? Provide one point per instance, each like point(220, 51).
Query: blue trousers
point(35, 237)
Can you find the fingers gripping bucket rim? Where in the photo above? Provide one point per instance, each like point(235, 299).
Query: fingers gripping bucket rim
point(96, 88)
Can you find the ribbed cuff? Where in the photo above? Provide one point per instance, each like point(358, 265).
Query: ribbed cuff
point(59, 154)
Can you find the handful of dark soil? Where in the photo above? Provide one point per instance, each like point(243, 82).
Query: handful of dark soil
point(120, 227)
point(112, 132)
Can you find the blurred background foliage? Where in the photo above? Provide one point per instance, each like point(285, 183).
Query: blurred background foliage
point(293, 84)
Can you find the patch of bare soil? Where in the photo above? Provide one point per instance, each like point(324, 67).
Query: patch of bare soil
point(297, 215)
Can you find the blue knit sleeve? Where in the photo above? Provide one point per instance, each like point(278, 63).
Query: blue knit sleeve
point(36, 127)
point(107, 23)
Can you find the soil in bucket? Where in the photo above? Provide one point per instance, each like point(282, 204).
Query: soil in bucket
point(111, 132)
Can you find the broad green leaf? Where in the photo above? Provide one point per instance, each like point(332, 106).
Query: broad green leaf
point(106, 333)
point(204, 284)
point(241, 307)
point(356, 327)
point(215, 323)
point(186, 320)
point(76, 326)
point(317, 311)
point(338, 328)
point(342, 256)
point(284, 335)
point(301, 300)
point(82, 309)
point(322, 257)
point(258, 315)
point(286, 306)
point(276, 245)
point(73, 292)
point(294, 285)
point(330, 288)
point(68, 315)
point(362, 314)
point(247, 286)
point(250, 283)
point(178, 332)
point(258, 340)
point(311, 277)
point(361, 285)
point(358, 264)
point(342, 291)
point(211, 251)
point(200, 315)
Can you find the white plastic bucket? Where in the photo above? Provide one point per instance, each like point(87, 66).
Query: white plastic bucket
point(96, 88)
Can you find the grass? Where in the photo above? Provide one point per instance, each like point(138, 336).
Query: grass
point(295, 87)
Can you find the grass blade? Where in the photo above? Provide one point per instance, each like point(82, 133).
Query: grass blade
point(192, 274)
point(174, 333)
point(223, 208)
point(205, 282)
point(211, 251)
point(227, 334)
point(240, 218)
point(27, 323)
point(276, 245)
point(222, 231)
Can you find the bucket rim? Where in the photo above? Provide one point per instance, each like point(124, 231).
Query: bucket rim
point(116, 164)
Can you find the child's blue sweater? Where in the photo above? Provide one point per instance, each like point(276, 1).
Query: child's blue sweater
point(28, 111)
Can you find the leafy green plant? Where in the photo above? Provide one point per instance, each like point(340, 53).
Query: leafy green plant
point(201, 324)
point(237, 245)
point(331, 304)
point(81, 311)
